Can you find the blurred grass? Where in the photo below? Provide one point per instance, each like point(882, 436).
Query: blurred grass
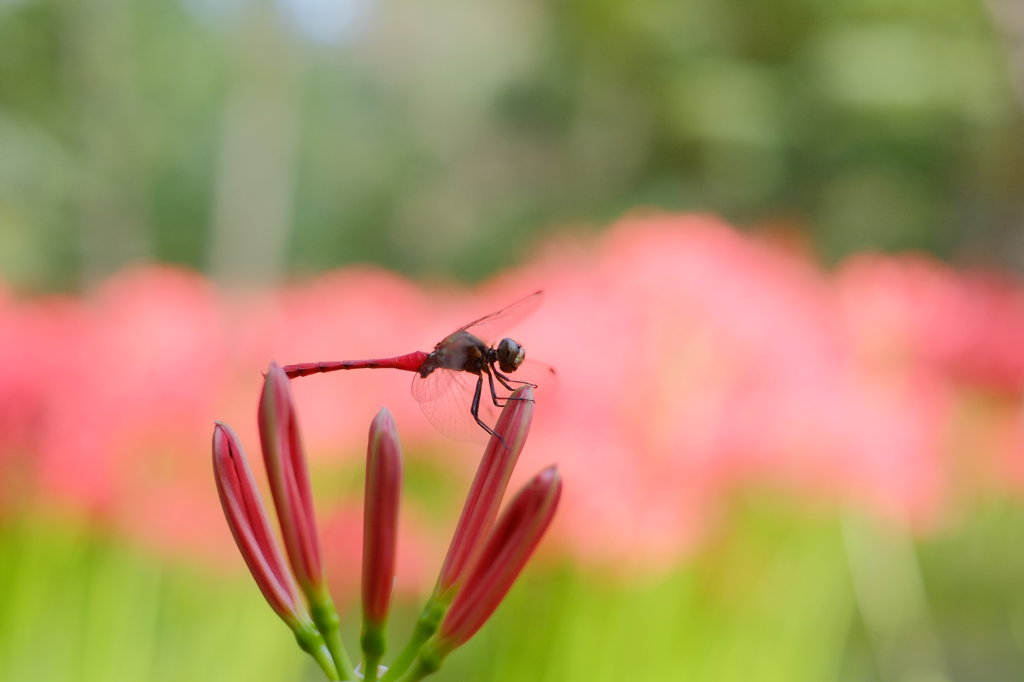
point(769, 601)
point(769, 598)
point(80, 607)
point(231, 138)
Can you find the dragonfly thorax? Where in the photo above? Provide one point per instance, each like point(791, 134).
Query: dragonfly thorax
point(510, 355)
point(461, 352)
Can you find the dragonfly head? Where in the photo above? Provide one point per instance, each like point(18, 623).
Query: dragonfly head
point(510, 355)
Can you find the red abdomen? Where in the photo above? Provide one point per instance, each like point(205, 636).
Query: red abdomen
point(409, 362)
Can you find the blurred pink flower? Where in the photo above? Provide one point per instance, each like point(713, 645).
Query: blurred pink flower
point(966, 327)
point(698, 359)
point(694, 362)
point(34, 339)
point(122, 383)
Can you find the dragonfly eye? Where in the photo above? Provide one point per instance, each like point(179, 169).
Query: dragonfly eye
point(510, 355)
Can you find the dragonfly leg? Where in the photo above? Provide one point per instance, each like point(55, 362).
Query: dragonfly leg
point(508, 381)
point(505, 382)
point(474, 409)
point(494, 393)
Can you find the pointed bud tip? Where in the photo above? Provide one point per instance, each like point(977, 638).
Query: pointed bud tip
point(224, 439)
point(383, 421)
point(545, 489)
point(524, 392)
point(275, 375)
point(549, 475)
point(382, 427)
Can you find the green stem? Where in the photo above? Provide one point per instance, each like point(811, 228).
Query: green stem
point(373, 645)
point(415, 674)
point(427, 663)
point(426, 626)
point(370, 665)
point(312, 643)
point(326, 619)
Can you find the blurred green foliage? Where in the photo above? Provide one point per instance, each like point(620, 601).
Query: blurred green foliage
point(774, 595)
point(257, 139)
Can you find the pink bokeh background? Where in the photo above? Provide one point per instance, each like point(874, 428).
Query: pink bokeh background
point(694, 362)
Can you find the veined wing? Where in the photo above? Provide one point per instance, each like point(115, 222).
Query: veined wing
point(489, 327)
point(446, 396)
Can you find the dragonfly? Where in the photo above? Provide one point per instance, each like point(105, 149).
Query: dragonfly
point(444, 374)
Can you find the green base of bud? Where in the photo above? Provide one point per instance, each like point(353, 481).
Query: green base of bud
point(310, 641)
point(326, 619)
point(373, 642)
point(426, 625)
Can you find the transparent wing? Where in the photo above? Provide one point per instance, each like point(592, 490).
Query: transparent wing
point(446, 396)
point(489, 327)
point(541, 375)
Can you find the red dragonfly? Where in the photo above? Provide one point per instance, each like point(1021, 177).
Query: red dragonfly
point(446, 373)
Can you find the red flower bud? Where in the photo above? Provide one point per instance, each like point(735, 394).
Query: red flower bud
point(289, 481)
point(380, 516)
point(247, 520)
point(488, 487)
point(506, 551)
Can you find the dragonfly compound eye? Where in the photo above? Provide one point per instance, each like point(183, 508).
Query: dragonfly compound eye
point(510, 355)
